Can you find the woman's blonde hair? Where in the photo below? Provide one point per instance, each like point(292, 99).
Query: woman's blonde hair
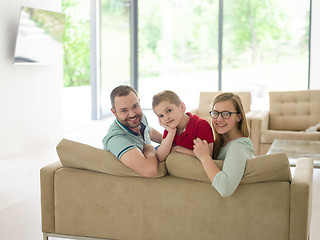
point(242, 125)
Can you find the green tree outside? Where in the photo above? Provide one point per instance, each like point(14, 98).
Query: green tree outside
point(253, 30)
point(76, 47)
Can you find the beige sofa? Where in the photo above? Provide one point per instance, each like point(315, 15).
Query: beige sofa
point(89, 194)
point(290, 115)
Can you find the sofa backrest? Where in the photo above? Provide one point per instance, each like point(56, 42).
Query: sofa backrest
point(294, 110)
point(273, 167)
point(206, 100)
point(264, 168)
point(78, 155)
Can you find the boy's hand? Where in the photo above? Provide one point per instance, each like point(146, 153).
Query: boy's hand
point(169, 129)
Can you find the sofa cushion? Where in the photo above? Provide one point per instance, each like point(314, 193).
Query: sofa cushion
point(266, 168)
point(269, 136)
point(294, 110)
point(78, 155)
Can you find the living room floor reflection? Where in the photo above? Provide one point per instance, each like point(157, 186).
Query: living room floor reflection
point(20, 215)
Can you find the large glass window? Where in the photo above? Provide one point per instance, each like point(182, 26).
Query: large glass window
point(76, 43)
point(265, 47)
point(178, 48)
point(115, 48)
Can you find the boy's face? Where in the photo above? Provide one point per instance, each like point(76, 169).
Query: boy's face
point(169, 114)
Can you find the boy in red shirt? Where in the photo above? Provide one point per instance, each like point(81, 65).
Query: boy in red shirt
point(181, 128)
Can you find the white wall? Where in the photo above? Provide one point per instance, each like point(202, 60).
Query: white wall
point(30, 96)
point(315, 46)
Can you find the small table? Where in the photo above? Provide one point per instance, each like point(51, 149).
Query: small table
point(296, 149)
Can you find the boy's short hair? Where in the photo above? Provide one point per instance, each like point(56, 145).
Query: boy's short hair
point(166, 95)
point(122, 90)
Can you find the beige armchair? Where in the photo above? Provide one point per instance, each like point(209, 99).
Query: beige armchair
point(290, 114)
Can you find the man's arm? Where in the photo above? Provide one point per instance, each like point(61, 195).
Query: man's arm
point(155, 136)
point(144, 163)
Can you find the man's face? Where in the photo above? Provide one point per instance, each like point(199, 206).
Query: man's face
point(127, 110)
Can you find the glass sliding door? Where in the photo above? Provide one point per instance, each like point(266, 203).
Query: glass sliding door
point(115, 49)
point(178, 48)
point(265, 47)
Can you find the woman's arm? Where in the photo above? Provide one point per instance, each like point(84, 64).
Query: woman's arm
point(203, 151)
point(225, 181)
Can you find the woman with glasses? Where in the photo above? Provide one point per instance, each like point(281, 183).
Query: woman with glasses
point(231, 144)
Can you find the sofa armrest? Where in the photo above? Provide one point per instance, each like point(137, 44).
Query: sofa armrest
point(47, 196)
point(259, 123)
point(301, 199)
point(250, 115)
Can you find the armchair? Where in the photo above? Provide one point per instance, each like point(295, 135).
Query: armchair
point(290, 114)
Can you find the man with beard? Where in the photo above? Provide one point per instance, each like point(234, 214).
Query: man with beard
point(129, 136)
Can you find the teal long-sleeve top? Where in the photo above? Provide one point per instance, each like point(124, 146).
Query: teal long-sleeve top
point(235, 155)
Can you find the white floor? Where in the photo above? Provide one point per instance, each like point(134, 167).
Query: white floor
point(20, 195)
point(20, 190)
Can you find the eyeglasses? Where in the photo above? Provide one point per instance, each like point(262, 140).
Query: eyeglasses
point(224, 114)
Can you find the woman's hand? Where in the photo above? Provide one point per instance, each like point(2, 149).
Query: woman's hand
point(201, 149)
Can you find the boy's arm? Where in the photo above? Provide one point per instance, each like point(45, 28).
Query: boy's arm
point(165, 146)
point(189, 151)
point(183, 150)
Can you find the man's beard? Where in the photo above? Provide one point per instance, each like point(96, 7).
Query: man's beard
point(132, 124)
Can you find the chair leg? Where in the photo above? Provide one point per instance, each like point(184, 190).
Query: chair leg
point(45, 236)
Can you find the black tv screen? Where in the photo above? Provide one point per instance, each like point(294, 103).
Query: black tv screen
point(39, 36)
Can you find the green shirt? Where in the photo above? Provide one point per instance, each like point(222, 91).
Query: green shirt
point(120, 139)
point(235, 155)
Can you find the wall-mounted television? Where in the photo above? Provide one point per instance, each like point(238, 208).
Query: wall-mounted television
point(39, 37)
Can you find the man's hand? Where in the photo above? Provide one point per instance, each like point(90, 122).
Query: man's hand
point(155, 136)
point(148, 149)
point(145, 162)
